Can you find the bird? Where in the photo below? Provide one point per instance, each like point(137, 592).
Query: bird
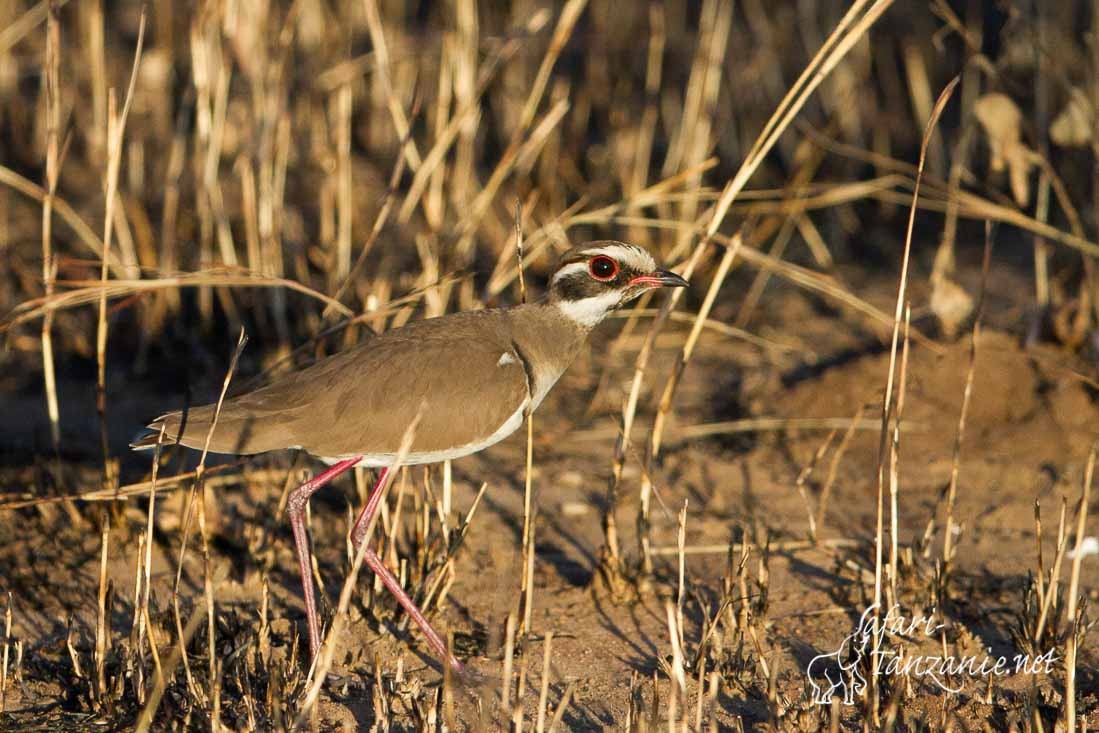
point(470, 379)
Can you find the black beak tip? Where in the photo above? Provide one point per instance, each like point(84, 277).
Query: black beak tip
point(670, 279)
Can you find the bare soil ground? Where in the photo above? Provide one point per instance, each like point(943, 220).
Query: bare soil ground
point(1030, 424)
point(308, 171)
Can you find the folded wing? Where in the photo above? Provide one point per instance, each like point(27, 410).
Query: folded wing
point(469, 380)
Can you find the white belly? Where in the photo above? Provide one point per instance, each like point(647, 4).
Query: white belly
point(384, 460)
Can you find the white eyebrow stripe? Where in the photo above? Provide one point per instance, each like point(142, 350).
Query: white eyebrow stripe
point(610, 250)
point(634, 257)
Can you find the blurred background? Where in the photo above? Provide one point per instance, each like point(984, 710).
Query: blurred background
point(313, 171)
point(379, 153)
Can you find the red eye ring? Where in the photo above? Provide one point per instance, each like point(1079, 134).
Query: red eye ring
point(603, 268)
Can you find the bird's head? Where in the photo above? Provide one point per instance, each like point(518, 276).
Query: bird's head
point(593, 279)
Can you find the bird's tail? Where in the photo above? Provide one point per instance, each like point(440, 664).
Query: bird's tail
point(238, 431)
point(168, 424)
point(186, 428)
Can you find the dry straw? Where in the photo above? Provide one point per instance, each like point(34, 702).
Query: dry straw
point(260, 203)
point(890, 406)
point(855, 23)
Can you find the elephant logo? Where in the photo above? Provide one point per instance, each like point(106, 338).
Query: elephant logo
point(840, 669)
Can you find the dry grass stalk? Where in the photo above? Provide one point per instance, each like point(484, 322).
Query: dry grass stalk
point(27, 22)
point(562, 706)
point(144, 583)
point(709, 324)
point(543, 691)
point(344, 204)
point(755, 291)
point(91, 20)
point(642, 158)
point(944, 262)
point(681, 588)
point(509, 660)
point(519, 252)
point(116, 127)
point(530, 513)
point(436, 589)
point(975, 207)
point(1039, 580)
point(448, 497)
point(6, 656)
point(92, 291)
point(1051, 596)
point(207, 571)
point(815, 282)
point(1075, 632)
point(129, 490)
point(49, 267)
point(526, 583)
point(74, 658)
point(134, 651)
point(520, 690)
point(701, 694)
point(1041, 247)
point(677, 690)
point(894, 460)
point(102, 619)
point(888, 404)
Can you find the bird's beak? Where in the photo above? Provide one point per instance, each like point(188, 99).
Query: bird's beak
point(660, 279)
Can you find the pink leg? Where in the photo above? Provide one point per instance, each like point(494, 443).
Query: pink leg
point(358, 529)
point(295, 508)
point(358, 534)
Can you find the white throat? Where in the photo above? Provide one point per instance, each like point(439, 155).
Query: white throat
point(588, 312)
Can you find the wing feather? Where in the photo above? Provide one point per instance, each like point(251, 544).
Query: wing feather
point(361, 401)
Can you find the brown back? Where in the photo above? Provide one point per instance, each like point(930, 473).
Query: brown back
point(362, 400)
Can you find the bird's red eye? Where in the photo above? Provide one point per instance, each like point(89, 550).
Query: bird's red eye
point(603, 268)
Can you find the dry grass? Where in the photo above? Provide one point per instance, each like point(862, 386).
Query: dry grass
point(312, 172)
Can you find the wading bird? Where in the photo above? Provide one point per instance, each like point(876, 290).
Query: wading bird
point(472, 378)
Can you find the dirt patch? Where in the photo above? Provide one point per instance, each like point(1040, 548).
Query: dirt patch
point(1029, 425)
